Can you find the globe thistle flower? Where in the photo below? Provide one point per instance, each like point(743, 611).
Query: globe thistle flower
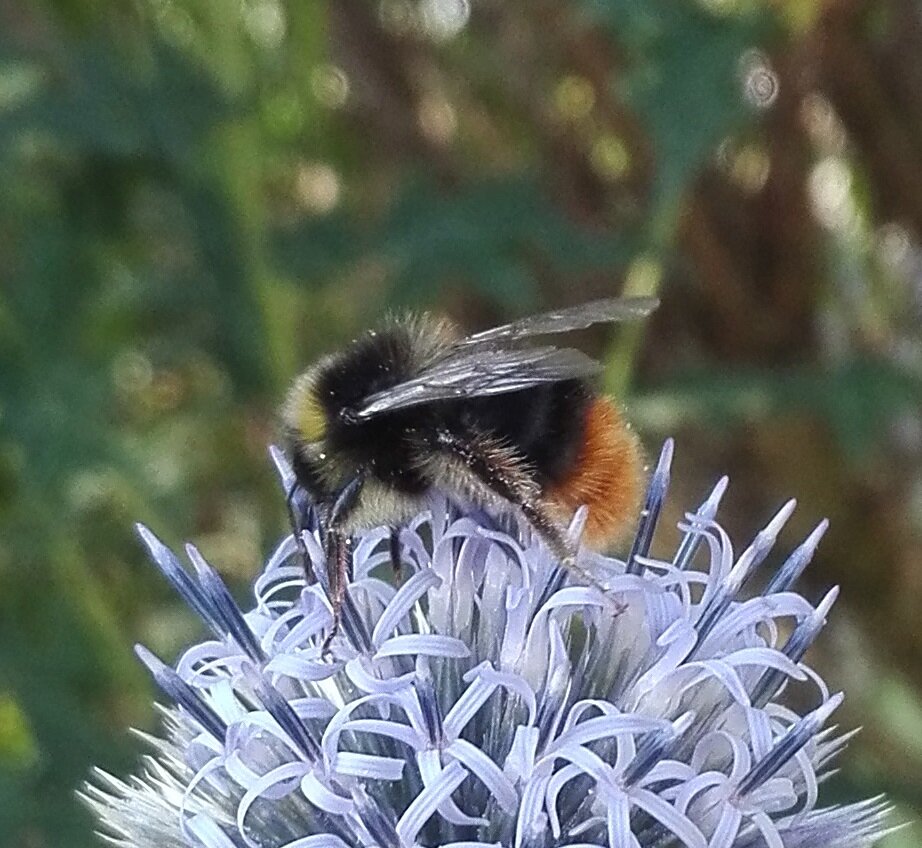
point(488, 699)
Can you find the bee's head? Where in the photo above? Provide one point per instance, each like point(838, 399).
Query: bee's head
point(328, 443)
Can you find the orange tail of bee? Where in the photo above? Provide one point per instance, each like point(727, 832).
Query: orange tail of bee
point(607, 476)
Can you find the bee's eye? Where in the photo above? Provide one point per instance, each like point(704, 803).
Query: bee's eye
point(311, 418)
point(348, 415)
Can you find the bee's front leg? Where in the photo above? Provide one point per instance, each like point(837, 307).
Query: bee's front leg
point(295, 519)
point(396, 553)
point(338, 546)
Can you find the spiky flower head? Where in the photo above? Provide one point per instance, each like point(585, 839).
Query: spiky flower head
point(489, 700)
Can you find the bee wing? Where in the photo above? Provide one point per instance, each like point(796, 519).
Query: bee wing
point(606, 310)
point(482, 372)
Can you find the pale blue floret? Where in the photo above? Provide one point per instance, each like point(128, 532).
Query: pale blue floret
point(649, 515)
point(491, 701)
point(182, 694)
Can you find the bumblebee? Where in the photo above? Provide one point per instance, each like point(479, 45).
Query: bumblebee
point(486, 418)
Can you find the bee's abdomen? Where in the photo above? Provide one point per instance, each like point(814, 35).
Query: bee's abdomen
point(606, 475)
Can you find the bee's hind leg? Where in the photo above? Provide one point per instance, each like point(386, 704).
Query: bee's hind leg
point(505, 474)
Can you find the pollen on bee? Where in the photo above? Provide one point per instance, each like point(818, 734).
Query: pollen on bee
point(607, 476)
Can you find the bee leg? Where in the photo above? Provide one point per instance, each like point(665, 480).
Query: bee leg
point(338, 567)
point(396, 553)
point(339, 552)
point(555, 537)
point(507, 476)
point(294, 519)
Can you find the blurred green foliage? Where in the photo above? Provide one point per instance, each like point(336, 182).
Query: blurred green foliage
point(199, 197)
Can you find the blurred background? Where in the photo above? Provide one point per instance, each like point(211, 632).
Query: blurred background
point(197, 197)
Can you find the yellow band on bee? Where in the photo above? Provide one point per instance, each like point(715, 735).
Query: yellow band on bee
point(310, 417)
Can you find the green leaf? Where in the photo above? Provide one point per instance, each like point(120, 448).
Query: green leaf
point(683, 81)
point(858, 400)
point(491, 235)
point(95, 99)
